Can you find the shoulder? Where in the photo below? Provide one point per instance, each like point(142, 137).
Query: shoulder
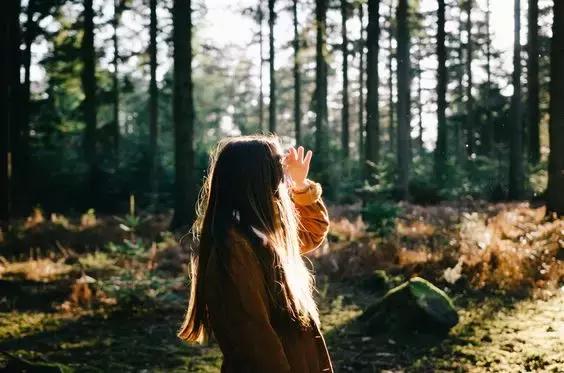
point(242, 252)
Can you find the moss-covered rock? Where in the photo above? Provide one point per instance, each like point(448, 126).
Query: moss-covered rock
point(416, 305)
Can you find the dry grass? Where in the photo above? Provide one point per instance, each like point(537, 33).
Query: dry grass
point(509, 247)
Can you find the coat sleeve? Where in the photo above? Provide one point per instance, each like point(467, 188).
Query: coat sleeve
point(313, 217)
point(246, 315)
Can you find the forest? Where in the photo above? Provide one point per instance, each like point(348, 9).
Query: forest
point(437, 128)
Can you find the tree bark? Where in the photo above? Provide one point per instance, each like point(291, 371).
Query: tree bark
point(90, 101)
point(345, 90)
point(272, 103)
point(297, 77)
point(403, 106)
point(555, 195)
point(533, 82)
point(441, 148)
point(516, 168)
point(391, 108)
point(372, 83)
point(261, 64)
point(419, 56)
point(153, 105)
point(9, 62)
point(116, 135)
point(321, 118)
point(488, 137)
point(183, 115)
point(361, 106)
point(470, 114)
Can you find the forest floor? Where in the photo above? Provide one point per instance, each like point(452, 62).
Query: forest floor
point(92, 297)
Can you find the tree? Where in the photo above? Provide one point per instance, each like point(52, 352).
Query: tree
point(361, 84)
point(516, 169)
point(272, 103)
point(183, 115)
point(260, 17)
point(153, 103)
point(441, 150)
point(391, 108)
point(488, 133)
point(470, 113)
point(89, 104)
point(403, 106)
point(115, 80)
point(297, 77)
point(345, 92)
point(320, 97)
point(9, 62)
point(533, 109)
point(555, 195)
point(372, 83)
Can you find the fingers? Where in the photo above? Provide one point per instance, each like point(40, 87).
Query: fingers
point(293, 154)
point(307, 158)
point(301, 154)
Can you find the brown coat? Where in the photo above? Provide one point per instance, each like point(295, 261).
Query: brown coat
point(240, 316)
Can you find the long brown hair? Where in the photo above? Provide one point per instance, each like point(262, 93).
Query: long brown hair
point(245, 188)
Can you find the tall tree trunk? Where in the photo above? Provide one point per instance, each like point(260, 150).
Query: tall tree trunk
point(404, 116)
point(488, 137)
point(372, 83)
point(516, 168)
point(345, 92)
point(460, 149)
point(441, 150)
point(419, 57)
point(297, 77)
point(183, 115)
point(555, 195)
point(321, 115)
point(9, 62)
point(470, 114)
point(391, 108)
point(533, 82)
point(361, 85)
point(90, 102)
point(261, 77)
point(272, 103)
point(21, 201)
point(116, 135)
point(153, 105)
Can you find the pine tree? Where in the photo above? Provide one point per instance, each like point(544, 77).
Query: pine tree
point(533, 109)
point(345, 89)
point(441, 150)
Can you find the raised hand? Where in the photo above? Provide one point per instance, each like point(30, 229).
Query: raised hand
point(296, 166)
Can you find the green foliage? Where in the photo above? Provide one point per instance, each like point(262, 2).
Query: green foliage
point(381, 216)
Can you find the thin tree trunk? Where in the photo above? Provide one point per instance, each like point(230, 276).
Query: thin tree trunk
point(372, 83)
point(21, 155)
point(516, 168)
point(297, 77)
point(488, 139)
point(555, 195)
point(361, 106)
point(404, 117)
point(533, 82)
point(321, 119)
point(345, 91)
point(469, 81)
point(90, 101)
point(419, 57)
point(261, 77)
point(153, 105)
point(272, 103)
point(460, 149)
point(391, 108)
point(116, 135)
point(183, 115)
point(441, 150)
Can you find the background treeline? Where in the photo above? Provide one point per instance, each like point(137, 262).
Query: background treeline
point(101, 124)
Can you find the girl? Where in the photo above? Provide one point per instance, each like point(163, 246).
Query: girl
point(258, 213)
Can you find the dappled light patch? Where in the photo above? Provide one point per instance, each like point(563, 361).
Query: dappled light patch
point(35, 269)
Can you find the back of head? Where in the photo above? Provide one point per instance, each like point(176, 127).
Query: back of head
point(245, 189)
